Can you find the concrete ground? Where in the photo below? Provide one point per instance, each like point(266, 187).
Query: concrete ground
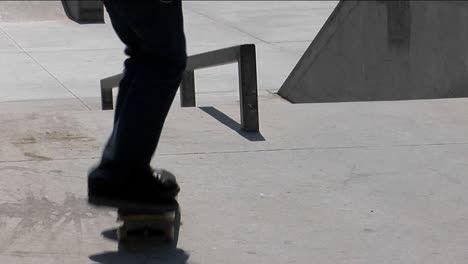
point(366, 182)
point(65, 60)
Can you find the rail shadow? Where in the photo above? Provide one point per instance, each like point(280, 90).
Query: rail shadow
point(231, 123)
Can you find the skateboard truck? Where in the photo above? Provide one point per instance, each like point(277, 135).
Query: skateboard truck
point(149, 225)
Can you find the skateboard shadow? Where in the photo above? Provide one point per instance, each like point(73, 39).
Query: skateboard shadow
point(168, 255)
point(147, 252)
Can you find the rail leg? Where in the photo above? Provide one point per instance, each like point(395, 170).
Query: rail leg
point(248, 88)
point(107, 101)
point(187, 90)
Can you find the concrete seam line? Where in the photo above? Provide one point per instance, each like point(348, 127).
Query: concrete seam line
point(43, 68)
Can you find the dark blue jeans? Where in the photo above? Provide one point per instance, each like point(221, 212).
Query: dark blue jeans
point(153, 33)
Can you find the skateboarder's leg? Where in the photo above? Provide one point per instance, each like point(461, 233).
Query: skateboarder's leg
point(157, 59)
point(132, 42)
point(152, 76)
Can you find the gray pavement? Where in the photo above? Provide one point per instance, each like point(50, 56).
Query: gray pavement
point(20, 11)
point(65, 60)
point(327, 183)
point(363, 182)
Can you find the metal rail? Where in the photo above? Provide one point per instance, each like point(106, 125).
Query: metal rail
point(244, 55)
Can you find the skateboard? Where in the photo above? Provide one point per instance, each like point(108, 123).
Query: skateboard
point(161, 223)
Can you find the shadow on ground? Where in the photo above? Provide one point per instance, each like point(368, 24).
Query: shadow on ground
point(155, 256)
point(232, 124)
point(147, 252)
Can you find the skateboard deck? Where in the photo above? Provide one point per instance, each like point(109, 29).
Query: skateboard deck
point(160, 223)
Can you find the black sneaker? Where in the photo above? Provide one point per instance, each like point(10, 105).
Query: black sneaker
point(139, 188)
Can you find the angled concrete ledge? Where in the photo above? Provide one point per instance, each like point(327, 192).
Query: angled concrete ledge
point(89, 11)
point(385, 50)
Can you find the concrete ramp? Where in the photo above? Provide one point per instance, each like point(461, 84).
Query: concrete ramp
point(27, 11)
point(385, 50)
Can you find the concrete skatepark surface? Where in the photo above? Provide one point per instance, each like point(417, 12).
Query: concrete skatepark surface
point(357, 183)
point(339, 183)
point(20, 11)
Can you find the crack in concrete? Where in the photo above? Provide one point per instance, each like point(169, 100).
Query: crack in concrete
point(262, 150)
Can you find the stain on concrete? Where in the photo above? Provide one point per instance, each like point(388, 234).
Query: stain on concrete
point(32, 116)
point(43, 218)
point(368, 230)
point(26, 170)
point(75, 138)
point(67, 137)
point(23, 254)
point(353, 176)
point(51, 136)
point(18, 168)
point(26, 141)
point(36, 156)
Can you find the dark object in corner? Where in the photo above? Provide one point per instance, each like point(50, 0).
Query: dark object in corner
point(84, 12)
